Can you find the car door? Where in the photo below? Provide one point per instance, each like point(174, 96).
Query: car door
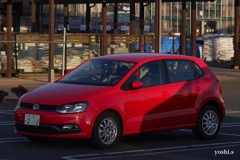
point(185, 91)
point(147, 107)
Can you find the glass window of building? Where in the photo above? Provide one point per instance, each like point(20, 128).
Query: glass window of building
point(176, 8)
point(167, 8)
point(230, 27)
point(166, 26)
point(224, 8)
point(218, 9)
point(224, 26)
point(176, 24)
point(199, 10)
point(212, 10)
point(188, 8)
point(230, 10)
point(206, 9)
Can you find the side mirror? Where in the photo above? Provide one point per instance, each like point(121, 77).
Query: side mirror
point(137, 84)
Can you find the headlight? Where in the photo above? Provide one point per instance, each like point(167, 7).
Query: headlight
point(73, 107)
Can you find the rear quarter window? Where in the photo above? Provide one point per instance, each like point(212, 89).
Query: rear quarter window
point(182, 70)
point(198, 71)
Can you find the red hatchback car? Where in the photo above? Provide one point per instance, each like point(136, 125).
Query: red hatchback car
point(110, 96)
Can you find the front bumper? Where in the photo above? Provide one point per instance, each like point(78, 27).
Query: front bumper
point(54, 125)
point(46, 129)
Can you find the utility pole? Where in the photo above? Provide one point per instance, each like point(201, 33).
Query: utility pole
point(51, 40)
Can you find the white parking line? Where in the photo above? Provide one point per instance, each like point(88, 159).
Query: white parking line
point(157, 149)
point(228, 134)
point(14, 139)
point(233, 123)
point(7, 123)
point(72, 157)
point(215, 144)
point(145, 152)
point(229, 125)
point(232, 112)
point(7, 112)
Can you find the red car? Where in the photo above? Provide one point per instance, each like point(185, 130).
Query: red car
point(116, 95)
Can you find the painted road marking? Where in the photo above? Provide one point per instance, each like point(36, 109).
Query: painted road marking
point(232, 112)
point(7, 112)
point(228, 134)
point(229, 125)
point(7, 123)
point(154, 151)
point(13, 139)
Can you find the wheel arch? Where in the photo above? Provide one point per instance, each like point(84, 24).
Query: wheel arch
point(216, 105)
point(117, 114)
point(96, 140)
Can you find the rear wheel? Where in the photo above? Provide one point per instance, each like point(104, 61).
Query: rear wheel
point(208, 123)
point(106, 131)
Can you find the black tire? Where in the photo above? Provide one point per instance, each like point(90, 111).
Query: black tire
point(37, 139)
point(106, 131)
point(208, 123)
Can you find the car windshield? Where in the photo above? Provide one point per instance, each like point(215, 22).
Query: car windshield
point(98, 72)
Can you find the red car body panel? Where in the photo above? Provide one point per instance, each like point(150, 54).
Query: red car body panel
point(163, 107)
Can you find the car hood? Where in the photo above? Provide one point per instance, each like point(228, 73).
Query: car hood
point(60, 93)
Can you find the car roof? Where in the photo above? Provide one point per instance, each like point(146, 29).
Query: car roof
point(138, 57)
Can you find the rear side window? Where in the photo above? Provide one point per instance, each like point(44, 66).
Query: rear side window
point(182, 70)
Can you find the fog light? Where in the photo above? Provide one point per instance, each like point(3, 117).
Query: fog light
point(70, 126)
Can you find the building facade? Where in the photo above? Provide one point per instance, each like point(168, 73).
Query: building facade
point(212, 17)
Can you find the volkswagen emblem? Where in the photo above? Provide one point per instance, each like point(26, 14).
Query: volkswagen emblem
point(36, 106)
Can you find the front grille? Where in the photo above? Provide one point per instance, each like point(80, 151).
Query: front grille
point(41, 106)
point(44, 129)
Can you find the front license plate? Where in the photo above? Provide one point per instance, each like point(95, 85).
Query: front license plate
point(32, 119)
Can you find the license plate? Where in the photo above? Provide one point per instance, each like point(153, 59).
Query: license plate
point(32, 119)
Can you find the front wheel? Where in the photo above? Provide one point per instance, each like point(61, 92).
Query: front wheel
point(106, 131)
point(208, 123)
